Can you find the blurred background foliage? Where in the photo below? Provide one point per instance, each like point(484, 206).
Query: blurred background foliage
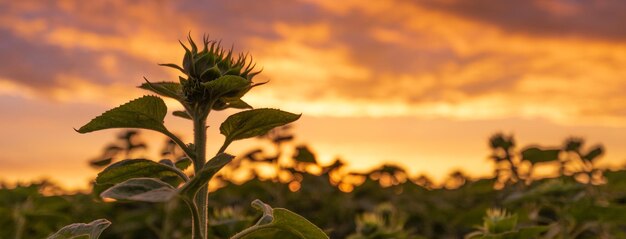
point(582, 201)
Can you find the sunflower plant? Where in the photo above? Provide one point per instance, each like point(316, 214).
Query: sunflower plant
point(213, 78)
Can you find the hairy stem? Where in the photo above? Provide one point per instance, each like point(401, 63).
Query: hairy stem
point(199, 129)
point(195, 222)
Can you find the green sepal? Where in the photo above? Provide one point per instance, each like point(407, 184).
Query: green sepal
point(182, 114)
point(168, 89)
point(227, 86)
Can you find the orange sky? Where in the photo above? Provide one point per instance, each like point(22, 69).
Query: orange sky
point(420, 83)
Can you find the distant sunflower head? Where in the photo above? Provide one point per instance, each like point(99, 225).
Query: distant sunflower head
point(499, 221)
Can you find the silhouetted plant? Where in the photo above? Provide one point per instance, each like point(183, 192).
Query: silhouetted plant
point(582, 164)
point(214, 79)
point(127, 143)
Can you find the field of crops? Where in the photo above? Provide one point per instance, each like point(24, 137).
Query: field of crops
point(384, 203)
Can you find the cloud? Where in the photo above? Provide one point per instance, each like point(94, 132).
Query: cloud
point(559, 18)
point(559, 60)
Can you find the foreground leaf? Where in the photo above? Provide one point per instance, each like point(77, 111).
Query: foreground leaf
point(146, 112)
point(256, 122)
point(141, 189)
point(134, 168)
point(205, 174)
point(92, 229)
point(280, 223)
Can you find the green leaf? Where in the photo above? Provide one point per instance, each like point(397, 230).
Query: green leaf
point(267, 210)
point(205, 174)
point(235, 103)
point(239, 104)
point(183, 163)
point(227, 86)
point(167, 89)
point(304, 155)
point(134, 168)
point(594, 153)
point(174, 66)
point(547, 190)
point(537, 155)
point(181, 114)
point(100, 162)
point(281, 223)
point(141, 189)
point(256, 122)
point(146, 112)
point(92, 229)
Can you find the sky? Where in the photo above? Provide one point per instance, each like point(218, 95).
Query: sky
point(422, 84)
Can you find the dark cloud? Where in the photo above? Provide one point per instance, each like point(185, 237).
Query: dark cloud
point(559, 18)
point(38, 65)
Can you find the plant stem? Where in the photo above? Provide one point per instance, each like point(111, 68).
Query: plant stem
point(223, 148)
point(199, 129)
point(19, 226)
point(195, 218)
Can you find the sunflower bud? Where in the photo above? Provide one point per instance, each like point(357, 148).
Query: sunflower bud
point(214, 76)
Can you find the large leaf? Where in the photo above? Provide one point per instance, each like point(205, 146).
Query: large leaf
point(92, 229)
point(256, 122)
point(146, 112)
point(133, 168)
point(141, 189)
point(167, 89)
point(537, 155)
point(205, 174)
point(281, 223)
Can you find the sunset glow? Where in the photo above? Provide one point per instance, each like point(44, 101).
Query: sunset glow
point(422, 84)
